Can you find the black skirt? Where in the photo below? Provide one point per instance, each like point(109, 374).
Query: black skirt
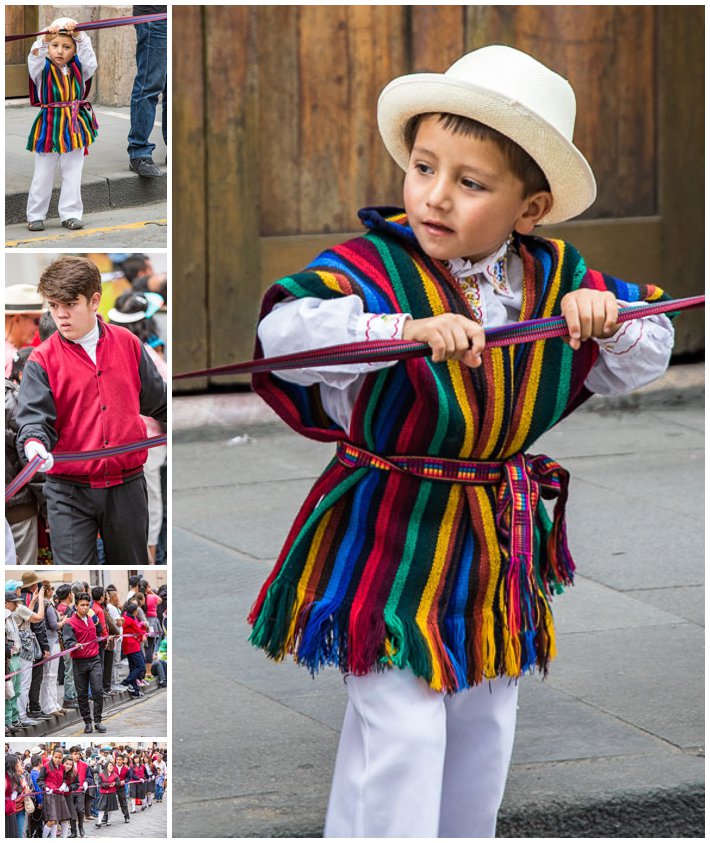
point(137, 790)
point(108, 802)
point(55, 808)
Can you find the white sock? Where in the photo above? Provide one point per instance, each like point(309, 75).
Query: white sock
point(65, 828)
point(47, 831)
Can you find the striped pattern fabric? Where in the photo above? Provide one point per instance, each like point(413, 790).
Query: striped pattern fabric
point(387, 568)
point(66, 127)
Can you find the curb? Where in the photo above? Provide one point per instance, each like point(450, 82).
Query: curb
point(668, 813)
point(682, 385)
point(116, 190)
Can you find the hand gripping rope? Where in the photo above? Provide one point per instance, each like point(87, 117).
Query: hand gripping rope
point(32, 467)
point(106, 23)
point(75, 647)
point(381, 351)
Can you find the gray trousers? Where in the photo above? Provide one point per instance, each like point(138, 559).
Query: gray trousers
point(119, 513)
point(69, 688)
point(24, 534)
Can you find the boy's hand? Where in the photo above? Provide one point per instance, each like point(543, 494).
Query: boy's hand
point(51, 33)
point(589, 313)
point(450, 337)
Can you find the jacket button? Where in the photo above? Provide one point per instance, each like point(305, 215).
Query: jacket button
point(104, 407)
point(105, 441)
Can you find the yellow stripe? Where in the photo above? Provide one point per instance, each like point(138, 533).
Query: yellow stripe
point(66, 234)
point(306, 575)
point(536, 365)
point(496, 355)
point(433, 297)
point(460, 391)
point(442, 543)
point(488, 620)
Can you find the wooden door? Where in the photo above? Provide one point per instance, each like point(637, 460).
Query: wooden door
point(18, 19)
point(279, 145)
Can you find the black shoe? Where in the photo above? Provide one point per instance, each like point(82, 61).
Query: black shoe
point(35, 225)
point(126, 820)
point(69, 704)
point(39, 715)
point(99, 727)
point(73, 224)
point(144, 167)
point(88, 729)
point(73, 834)
point(81, 832)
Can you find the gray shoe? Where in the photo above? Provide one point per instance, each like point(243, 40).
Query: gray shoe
point(27, 721)
point(145, 167)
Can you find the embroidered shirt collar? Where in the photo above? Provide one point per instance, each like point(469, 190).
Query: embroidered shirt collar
point(493, 268)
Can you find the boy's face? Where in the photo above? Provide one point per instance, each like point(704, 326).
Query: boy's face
point(461, 198)
point(82, 608)
point(61, 50)
point(77, 318)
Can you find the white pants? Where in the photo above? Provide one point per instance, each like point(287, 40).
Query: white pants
point(48, 690)
point(70, 167)
point(413, 762)
point(25, 682)
point(151, 469)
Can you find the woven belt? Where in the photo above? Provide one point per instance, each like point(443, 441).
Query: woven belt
point(73, 106)
point(522, 480)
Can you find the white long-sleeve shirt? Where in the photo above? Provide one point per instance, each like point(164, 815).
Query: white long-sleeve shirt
point(638, 353)
point(84, 51)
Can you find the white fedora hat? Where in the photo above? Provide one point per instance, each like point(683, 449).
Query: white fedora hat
point(512, 93)
point(22, 298)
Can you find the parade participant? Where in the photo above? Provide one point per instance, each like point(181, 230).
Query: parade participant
point(133, 636)
point(149, 775)
point(79, 790)
point(85, 388)
point(122, 771)
point(71, 782)
point(80, 629)
point(60, 63)
point(108, 801)
point(437, 608)
point(136, 781)
point(13, 788)
point(51, 783)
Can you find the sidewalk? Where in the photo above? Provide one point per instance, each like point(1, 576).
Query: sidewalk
point(107, 181)
point(609, 745)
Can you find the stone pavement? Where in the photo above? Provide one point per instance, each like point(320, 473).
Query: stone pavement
point(146, 824)
point(609, 745)
point(107, 182)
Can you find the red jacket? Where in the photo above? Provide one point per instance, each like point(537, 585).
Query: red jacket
point(68, 403)
point(51, 777)
point(99, 612)
point(108, 784)
point(75, 631)
point(131, 625)
point(81, 768)
point(10, 804)
point(122, 772)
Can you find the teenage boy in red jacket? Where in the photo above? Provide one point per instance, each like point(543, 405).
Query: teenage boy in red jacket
point(83, 629)
point(85, 388)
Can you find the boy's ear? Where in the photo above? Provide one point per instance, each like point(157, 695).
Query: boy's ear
point(537, 206)
point(94, 301)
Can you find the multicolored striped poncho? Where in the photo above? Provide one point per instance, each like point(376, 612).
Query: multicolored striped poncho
point(384, 567)
point(66, 127)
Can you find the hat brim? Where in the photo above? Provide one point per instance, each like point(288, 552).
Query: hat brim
point(569, 175)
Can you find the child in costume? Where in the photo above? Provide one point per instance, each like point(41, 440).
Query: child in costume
point(423, 561)
point(61, 64)
point(85, 388)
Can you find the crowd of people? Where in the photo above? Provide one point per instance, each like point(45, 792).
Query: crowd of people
point(77, 636)
point(52, 792)
point(35, 423)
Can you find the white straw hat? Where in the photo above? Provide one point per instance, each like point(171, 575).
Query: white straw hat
point(22, 298)
point(512, 93)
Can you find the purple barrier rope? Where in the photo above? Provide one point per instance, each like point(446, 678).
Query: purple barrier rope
point(106, 23)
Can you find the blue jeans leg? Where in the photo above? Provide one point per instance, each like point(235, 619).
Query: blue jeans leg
point(150, 83)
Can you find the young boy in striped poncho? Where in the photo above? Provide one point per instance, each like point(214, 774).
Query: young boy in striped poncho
point(60, 64)
point(423, 561)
